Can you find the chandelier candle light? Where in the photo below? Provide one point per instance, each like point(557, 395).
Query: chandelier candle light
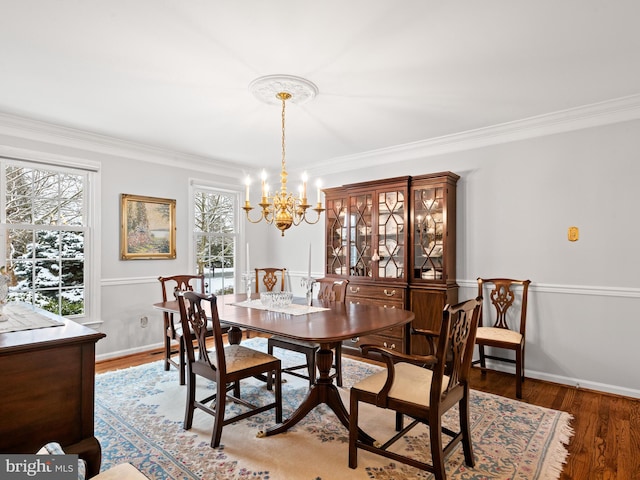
point(283, 208)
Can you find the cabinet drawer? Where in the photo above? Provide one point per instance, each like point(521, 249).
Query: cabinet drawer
point(391, 303)
point(393, 343)
point(376, 292)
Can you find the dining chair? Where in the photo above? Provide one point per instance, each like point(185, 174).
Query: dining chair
point(271, 279)
point(330, 290)
point(423, 388)
point(506, 327)
point(226, 365)
point(173, 330)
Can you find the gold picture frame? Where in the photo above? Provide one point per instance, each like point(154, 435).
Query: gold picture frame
point(147, 228)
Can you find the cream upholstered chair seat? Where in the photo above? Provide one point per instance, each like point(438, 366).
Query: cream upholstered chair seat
point(407, 376)
point(499, 335)
point(240, 358)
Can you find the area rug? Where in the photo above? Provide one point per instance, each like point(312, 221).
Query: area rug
point(139, 413)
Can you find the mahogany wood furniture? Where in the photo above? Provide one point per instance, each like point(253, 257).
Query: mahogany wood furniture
point(48, 377)
point(394, 240)
point(268, 278)
point(173, 329)
point(423, 388)
point(327, 327)
point(331, 290)
point(504, 325)
point(225, 366)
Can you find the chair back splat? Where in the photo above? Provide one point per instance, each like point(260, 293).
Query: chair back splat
point(271, 279)
point(423, 388)
point(225, 365)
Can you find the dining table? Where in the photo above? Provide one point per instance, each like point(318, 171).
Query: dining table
point(323, 322)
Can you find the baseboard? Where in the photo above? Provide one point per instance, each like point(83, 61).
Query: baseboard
point(571, 382)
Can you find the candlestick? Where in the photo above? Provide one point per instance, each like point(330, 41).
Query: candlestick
point(247, 182)
point(318, 184)
point(304, 186)
point(264, 185)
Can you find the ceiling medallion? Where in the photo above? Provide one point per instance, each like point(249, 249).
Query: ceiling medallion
point(267, 89)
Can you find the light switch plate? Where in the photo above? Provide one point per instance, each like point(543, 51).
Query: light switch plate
point(574, 234)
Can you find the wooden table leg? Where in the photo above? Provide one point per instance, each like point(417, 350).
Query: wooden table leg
point(323, 391)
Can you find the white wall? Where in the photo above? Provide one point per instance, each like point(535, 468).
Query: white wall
point(516, 201)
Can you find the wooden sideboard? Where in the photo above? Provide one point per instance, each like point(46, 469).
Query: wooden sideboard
point(48, 381)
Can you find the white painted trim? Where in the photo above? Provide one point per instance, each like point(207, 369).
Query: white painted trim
point(603, 113)
point(568, 381)
point(571, 289)
point(586, 116)
point(130, 351)
point(26, 128)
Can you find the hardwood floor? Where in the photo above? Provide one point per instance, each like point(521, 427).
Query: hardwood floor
point(606, 442)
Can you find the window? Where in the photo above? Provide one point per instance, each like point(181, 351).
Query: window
point(215, 238)
point(44, 231)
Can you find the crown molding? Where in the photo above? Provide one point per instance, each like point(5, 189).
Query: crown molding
point(597, 114)
point(38, 131)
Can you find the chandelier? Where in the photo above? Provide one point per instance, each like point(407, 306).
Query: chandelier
point(282, 208)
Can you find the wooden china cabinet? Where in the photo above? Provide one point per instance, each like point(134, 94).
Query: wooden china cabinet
point(394, 241)
point(432, 282)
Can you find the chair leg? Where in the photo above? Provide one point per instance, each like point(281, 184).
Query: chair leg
point(182, 364)
point(218, 418)
point(399, 421)
point(483, 362)
point(278, 393)
point(167, 352)
point(353, 431)
point(191, 398)
point(519, 373)
point(269, 374)
point(338, 363)
point(437, 455)
point(465, 428)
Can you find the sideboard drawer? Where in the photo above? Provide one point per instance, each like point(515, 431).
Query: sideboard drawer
point(394, 343)
point(377, 292)
point(382, 302)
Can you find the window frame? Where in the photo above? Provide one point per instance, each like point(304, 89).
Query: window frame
point(196, 185)
point(91, 191)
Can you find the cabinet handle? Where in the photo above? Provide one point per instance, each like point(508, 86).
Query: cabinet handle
point(389, 294)
point(392, 346)
point(355, 339)
point(354, 290)
point(392, 306)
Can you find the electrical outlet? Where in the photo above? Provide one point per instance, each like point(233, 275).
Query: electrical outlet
point(144, 321)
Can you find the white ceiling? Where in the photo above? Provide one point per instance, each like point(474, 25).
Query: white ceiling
point(175, 74)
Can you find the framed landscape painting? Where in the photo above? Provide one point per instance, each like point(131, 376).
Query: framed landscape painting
point(147, 228)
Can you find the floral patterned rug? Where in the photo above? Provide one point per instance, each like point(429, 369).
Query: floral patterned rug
point(139, 413)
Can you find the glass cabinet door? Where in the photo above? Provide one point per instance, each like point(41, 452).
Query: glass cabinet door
point(336, 240)
point(391, 234)
point(360, 234)
point(429, 204)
